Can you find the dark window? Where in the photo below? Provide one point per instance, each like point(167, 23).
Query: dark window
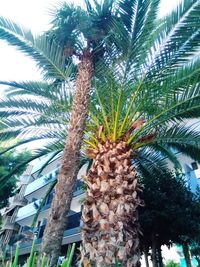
point(194, 165)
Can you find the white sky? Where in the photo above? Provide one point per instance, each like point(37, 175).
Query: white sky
point(33, 14)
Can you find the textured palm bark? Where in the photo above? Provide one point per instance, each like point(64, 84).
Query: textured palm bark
point(110, 216)
point(57, 221)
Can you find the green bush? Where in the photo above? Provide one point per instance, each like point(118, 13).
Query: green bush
point(172, 263)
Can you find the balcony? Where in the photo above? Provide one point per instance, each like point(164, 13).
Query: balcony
point(8, 224)
point(73, 222)
point(42, 181)
point(31, 208)
point(19, 201)
point(71, 234)
point(28, 210)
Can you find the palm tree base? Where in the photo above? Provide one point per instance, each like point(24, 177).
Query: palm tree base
point(110, 216)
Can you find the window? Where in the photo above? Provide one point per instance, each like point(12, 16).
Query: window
point(194, 165)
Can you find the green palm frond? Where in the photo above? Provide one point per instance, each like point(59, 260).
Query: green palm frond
point(140, 22)
point(167, 153)
point(37, 88)
point(179, 133)
point(48, 55)
point(29, 105)
point(182, 29)
point(21, 142)
point(151, 160)
point(189, 150)
point(149, 48)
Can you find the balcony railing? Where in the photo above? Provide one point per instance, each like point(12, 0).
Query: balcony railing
point(25, 247)
point(73, 222)
point(19, 201)
point(42, 181)
point(31, 208)
point(27, 210)
point(46, 179)
point(73, 228)
point(9, 224)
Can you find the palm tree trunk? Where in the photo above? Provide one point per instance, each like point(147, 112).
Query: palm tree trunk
point(186, 254)
point(160, 258)
point(57, 221)
point(110, 216)
point(146, 252)
point(154, 252)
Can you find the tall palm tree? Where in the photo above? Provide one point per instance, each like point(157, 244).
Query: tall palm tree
point(146, 87)
point(154, 125)
point(153, 89)
point(84, 32)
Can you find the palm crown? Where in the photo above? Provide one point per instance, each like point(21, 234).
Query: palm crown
point(153, 81)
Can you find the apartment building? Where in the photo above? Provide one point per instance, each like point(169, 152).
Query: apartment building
point(19, 216)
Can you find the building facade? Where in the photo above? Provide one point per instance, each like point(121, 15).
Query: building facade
point(21, 220)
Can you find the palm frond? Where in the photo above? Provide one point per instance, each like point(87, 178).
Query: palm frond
point(167, 153)
point(191, 151)
point(36, 88)
point(151, 160)
point(179, 40)
point(48, 55)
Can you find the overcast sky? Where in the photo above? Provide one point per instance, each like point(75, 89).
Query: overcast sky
point(35, 15)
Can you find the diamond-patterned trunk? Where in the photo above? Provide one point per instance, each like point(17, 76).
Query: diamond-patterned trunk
point(110, 216)
point(57, 220)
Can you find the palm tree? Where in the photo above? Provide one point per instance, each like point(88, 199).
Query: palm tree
point(80, 34)
point(153, 89)
point(146, 83)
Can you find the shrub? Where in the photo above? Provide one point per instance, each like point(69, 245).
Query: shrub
point(171, 263)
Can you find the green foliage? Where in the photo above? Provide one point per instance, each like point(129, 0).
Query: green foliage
point(92, 24)
point(171, 212)
point(48, 56)
point(172, 263)
point(35, 261)
point(117, 263)
point(8, 163)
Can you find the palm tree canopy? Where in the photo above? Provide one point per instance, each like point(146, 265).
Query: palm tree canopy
point(152, 83)
point(144, 92)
